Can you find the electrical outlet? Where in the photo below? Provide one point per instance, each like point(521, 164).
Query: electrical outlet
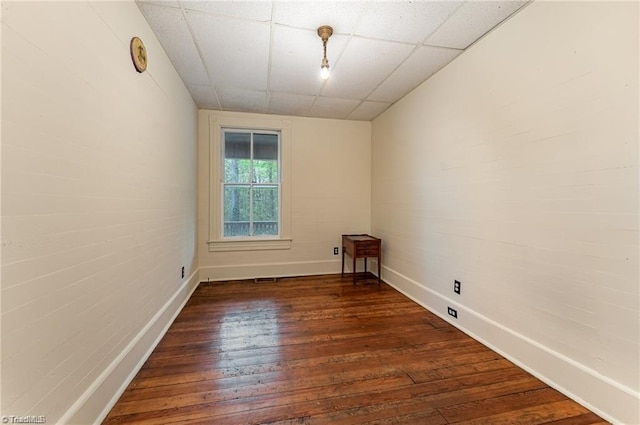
point(183, 272)
point(335, 250)
point(452, 312)
point(456, 286)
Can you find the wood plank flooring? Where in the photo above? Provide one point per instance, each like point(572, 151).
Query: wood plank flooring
point(318, 350)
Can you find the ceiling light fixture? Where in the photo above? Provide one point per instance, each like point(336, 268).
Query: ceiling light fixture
point(324, 32)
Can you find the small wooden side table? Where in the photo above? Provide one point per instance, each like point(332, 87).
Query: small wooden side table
point(361, 246)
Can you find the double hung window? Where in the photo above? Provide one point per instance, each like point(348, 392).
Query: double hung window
point(250, 183)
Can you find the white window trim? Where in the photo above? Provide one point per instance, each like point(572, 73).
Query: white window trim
point(216, 242)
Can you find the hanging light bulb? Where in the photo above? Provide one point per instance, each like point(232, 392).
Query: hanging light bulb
point(324, 32)
point(324, 69)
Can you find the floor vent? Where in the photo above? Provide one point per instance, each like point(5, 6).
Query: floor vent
point(265, 279)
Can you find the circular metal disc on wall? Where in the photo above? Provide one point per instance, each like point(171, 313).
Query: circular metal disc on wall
point(138, 54)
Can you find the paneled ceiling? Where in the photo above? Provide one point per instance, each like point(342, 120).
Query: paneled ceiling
point(264, 56)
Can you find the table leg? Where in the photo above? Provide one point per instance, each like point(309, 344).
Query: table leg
point(354, 268)
point(365, 265)
point(379, 266)
point(342, 274)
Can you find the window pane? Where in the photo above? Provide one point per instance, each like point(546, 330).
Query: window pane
point(265, 146)
point(265, 210)
point(237, 157)
point(236, 211)
point(265, 155)
point(265, 171)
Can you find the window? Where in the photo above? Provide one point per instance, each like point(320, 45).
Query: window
point(249, 193)
point(250, 183)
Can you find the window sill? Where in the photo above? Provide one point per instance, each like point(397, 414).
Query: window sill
point(249, 245)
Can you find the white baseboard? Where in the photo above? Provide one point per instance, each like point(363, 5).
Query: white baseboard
point(252, 271)
point(96, 402)
point(609, 399)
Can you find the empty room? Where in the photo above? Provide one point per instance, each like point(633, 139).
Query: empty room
point(320, 212)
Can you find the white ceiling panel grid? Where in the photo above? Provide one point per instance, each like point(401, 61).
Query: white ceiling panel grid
point(295, 67)
point(249, 10)
point(235, 52)
point(289, 104)
point(264, 56)
point(422, 64)
point(204, 96)
point(368, 109)
point(364, 64)
point(240, 100)
point(471, 21)
point(332, 107)
point(342, 16)
point(406, 21)
point(171, 29)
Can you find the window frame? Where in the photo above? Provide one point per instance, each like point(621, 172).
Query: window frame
point(250, 184)
point(217, 242)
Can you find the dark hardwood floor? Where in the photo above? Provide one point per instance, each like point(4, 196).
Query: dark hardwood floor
point(318, 350)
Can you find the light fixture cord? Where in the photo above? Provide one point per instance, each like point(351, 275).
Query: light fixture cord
point(324, 47)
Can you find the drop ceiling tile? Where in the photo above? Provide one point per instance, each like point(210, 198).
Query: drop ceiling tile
point(296, 57)
point(421, 65)
point(235, 52)
point(252, 10)
point(342, 16)
point(171, 29)
point(263, 55)
point(204, 96)
point(363, 65)
point(404, 21)
point(289, 104)
point(326, 107)
point(367, 111)
point(471, 22)
point(235, 99)
point(166, 3)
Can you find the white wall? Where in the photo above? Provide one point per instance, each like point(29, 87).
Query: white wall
point(98, 204)
point(330, 195)
point(515, 171)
